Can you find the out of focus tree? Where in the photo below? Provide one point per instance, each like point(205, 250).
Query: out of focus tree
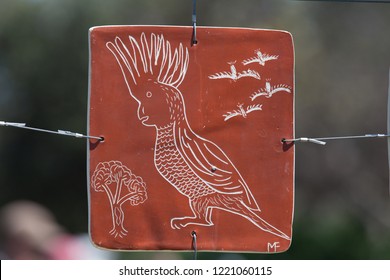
point(342, 62)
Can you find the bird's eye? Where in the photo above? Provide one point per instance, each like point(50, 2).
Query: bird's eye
point(148, 94)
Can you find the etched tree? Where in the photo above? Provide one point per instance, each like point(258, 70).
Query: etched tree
point(121, 186)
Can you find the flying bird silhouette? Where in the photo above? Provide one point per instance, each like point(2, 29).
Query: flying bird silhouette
point(196, 167)
point(268, 91)
point(233, 75)
point(242, 112)
point(260, 58)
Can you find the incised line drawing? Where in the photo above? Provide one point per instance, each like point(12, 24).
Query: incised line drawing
point(196, 167)
point(260, 58)
point(269, 90)
point(242, 112)
point(233, 75)
point(120, 186)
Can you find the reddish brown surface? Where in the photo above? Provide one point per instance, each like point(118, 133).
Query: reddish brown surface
point(252, 143)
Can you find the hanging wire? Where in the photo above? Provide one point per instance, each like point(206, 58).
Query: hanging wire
point(194, 245)
point(321, 140)
point(58, 132)
point(194, 40)
point(388, 125)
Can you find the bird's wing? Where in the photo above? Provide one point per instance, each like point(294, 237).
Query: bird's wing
point(268, 57)
point(230, 115)
point(221, 75)
point(251, 108)
point(212, 165)
point(277, 89)
point(250, 60)
point(261, 92)
point(249, 73)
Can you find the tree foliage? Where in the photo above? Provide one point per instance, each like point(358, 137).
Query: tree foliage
point(111, 177)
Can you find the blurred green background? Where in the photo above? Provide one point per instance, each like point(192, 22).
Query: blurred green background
point(342, 208)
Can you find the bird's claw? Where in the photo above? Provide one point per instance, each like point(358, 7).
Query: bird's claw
point(178, 223)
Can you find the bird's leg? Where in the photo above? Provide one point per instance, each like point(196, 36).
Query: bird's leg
point(202, 215)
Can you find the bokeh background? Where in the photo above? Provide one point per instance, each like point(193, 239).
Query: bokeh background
point(342, 202)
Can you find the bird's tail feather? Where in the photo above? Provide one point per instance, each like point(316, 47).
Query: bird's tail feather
point(263, 224)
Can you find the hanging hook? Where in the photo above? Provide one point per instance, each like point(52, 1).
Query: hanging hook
point(194, 40)
point(194, 245)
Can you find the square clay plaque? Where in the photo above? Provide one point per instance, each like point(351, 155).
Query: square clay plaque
point(192, 138)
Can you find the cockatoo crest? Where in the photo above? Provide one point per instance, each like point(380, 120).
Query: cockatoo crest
point(150, 59)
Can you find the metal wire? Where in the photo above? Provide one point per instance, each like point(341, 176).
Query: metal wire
point(194, 40)
point(194, 245)
point(388, 125)
point(321, 140)
point(58, 132)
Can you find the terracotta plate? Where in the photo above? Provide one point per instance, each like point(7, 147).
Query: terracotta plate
point(192, 138)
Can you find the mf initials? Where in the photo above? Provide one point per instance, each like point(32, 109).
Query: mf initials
point(273, 247)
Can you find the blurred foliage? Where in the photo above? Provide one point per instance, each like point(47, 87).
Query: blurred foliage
point(342, 65)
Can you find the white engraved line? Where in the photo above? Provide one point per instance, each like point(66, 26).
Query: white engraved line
point(211, 165)
point(133, 58)
point(120, 65)
point(118, 44)
point(235, 187)
point(221, 180)
point(173, 61)
point(166, 54)
point(150, 50)
point(247, 194)
point(185, 133)
point(186, 157)
point(204, 144)
point(201, 164)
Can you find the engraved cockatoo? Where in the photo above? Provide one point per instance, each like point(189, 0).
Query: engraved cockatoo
point(194, 166)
